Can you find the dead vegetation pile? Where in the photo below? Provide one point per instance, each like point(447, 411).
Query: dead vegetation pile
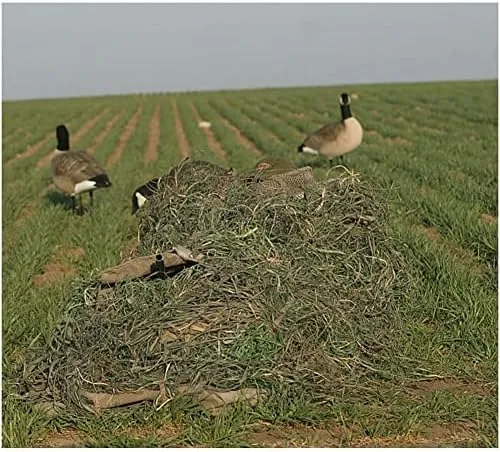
point(296, 290)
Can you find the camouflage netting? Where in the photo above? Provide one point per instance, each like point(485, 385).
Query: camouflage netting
point(292, 289)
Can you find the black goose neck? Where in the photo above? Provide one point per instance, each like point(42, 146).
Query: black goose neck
point(345, 110)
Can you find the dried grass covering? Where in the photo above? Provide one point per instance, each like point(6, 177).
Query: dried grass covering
point(297, 291)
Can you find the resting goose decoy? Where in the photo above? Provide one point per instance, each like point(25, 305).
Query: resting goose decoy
point(188, 171)
point(75, 172)
point(274, 164)
point(141, 194)
point(335, 139)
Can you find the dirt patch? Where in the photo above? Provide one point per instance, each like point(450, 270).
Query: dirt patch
point(163, 432)
point(129, 250)
point(154, 138)
point(32, 149)
point(299, 115)
point(116, 155)
point(430, 129)
point(449, 435)
point(28, 210)
point(9, 240)
point(488, 219)
point(298, 436)
point(44, 162)
point(14, 135)
point(64, 438)
point(450, 385)
point(460, 256)
point(430, 232)
point(373, 133)
point(102, 135)
point(301, 436)
point(391, 140)
point(53, 273)
point(60, 267)
point(397, 140)
point(76, 438)
point(179, 130)
point(241, 137)
point(213, 144)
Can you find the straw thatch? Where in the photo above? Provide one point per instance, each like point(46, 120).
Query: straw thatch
point(299, 290)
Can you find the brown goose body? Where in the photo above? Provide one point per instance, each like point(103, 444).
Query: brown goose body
point(335, 139)
point(75, 172)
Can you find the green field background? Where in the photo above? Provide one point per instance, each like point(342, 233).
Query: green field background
point(434, 145)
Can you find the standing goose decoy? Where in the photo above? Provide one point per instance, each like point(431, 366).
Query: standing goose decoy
point(76, 172)
point(335, 139)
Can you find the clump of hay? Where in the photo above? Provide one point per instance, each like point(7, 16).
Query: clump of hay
point(292, 290)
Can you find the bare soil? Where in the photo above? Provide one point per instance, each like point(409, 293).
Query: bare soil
point(451, 385)
point(60, 267)
point(32, 149)
point(125, 136)
point(179, 130)
point(241, 137)
point(101, 137)
point(151, 154)
point(451, 435)
point(213, 144)
point(488, 219)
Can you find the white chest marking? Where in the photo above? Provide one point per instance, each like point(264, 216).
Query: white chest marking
point(140, 199)
point(307, 150)
point(82, 187)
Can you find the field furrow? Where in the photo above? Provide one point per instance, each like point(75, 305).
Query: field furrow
point(241, 137)
point(124, 138)
point(45, 161)
point(431, 147)
point(102, 135)
point(179, 130)
point(263, 140)
point(238, 155)
point(151, 154)
point(265, 121)
point(213, 144)
point(34, 148)
point(18, 134)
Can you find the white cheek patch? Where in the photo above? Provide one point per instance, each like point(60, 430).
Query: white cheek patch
point(307, 150)
point(140, 199)
point(86, 185)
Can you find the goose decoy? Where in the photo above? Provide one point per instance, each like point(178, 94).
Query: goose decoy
point(188, 171)
point(141, 194)
point(274, 164)
point(76, 172)
point(335, 139)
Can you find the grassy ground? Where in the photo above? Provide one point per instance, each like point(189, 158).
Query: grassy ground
point(435, 144)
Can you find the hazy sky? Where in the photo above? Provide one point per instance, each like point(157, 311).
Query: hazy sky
point(60, 50)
